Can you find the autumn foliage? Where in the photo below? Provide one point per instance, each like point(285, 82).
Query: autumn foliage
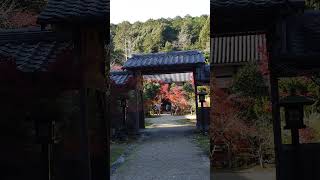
point(12, 15)
point(157, 91)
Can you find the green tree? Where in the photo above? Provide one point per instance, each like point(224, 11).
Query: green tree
point(204, 36)
point(185, 36)
point(249, 82)
point(169, 34)
point(151, 90)
point(168, 47)
point(313, 4)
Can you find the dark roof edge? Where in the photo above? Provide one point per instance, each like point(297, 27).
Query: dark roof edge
point(115, 73)
point(238, 33)
point(166, 53)
point(31, 35)
point(187, 65)
point(74, 21)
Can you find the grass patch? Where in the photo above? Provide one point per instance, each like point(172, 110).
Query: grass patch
point(116, 150)
point(249, 168)
point(203, 142)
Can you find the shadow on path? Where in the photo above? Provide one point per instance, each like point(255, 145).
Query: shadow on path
point(164, 154)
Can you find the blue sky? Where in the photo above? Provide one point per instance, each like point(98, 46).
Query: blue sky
point(142, 10)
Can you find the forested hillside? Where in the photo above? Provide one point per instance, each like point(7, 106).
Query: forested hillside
point(19, 13)
point(161, 35)
point(179, 33)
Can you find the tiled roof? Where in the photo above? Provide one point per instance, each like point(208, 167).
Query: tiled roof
point(304, 34)
point(120, 77)
point(83, 11)
point(31, 50)
point(159, 60)
point(170, 78)
point(235, 48)
point(218, 6)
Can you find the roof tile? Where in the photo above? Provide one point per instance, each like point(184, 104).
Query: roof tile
point(219, 5)
point(120, 77)
point(164, 59)
point(31, 50)
point(75, 10)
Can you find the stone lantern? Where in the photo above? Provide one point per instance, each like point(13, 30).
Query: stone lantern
point(202, 99)
point(294, 113)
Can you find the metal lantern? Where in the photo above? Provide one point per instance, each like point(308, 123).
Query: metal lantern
point(43, 131)
point(123, 102)
point(293, 106)
point(202, 96)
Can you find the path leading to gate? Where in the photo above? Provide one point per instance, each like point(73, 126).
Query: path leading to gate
point(166, 153)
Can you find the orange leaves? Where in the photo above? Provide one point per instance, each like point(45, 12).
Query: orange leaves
point(225, 122)
point(23, 19)
point(264, 61)
point(307, 135)
point(116, 68)
point(178, 97)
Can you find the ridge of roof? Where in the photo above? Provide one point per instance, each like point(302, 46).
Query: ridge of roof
point(172, 53)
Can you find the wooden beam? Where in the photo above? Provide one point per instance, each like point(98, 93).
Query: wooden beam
point(165, 69)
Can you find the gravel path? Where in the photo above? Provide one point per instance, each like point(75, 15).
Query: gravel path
point(167, 153)
point(166, 120)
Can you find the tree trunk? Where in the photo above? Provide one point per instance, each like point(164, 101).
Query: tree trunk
point(261, 157)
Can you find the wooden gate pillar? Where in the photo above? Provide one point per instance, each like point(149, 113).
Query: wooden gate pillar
point(273, 46)
point(134, 108)
point(84, 152)
point(198, 124)
point(140, 99)
point(93, 60)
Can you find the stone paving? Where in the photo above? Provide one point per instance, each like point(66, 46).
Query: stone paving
point(166, 153)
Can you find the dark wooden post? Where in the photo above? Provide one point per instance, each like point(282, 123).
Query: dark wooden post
point(212, 86)
point(106, 99)
point(296, 154)
point(276, 123)
point(140, 100)
point(196, 98)
point(202, 119)
point(84, 136)
point(93, 58)
point(133, 108)
point(272, 46)
point(89, 43)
